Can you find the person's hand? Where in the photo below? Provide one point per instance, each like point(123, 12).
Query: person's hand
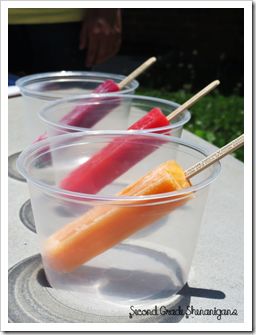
point(100, 35)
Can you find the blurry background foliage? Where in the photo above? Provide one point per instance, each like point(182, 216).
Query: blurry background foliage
point(193, 47)
point(216, 118)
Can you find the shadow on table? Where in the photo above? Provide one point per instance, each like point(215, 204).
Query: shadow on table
point(166, 313)
point(201, 292)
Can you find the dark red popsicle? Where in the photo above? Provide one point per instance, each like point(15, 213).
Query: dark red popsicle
point(88, 115)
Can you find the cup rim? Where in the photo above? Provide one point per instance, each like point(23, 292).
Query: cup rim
point(174, 125)
point(114, 199)
point(23, 81)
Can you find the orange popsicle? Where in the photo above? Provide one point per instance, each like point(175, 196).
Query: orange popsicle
point(103, 227)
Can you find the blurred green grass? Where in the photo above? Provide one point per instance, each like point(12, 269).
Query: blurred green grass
point(216, 118)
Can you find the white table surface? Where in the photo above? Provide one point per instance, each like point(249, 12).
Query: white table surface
point(216, 279)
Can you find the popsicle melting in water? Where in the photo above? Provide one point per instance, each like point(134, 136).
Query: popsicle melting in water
point(102, 227)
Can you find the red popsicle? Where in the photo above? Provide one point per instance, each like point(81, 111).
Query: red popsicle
point(122, 153)
point(112, 161)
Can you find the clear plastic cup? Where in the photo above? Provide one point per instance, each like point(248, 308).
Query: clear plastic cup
point(150, 266)
point(38, 89)
point(106, 112)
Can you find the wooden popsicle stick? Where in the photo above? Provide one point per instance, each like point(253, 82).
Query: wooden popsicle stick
point(217, 155)
point(193, 100)
point(137, 72)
